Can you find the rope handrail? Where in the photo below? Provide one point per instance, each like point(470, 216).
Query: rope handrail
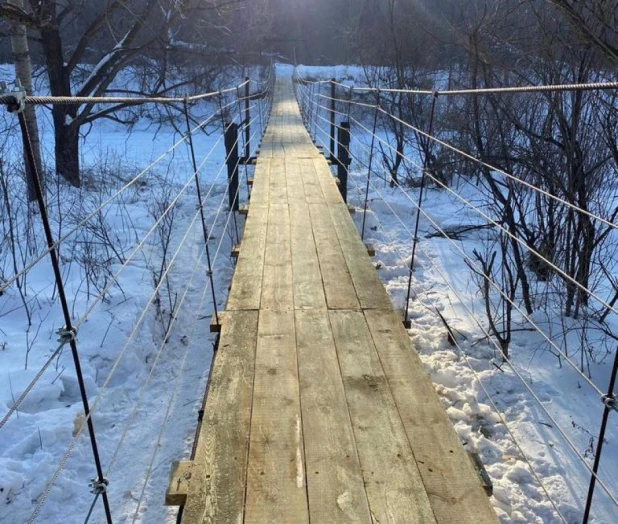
point(495, 223)
point(500, 171)
point(549, 88)
point(11, 98)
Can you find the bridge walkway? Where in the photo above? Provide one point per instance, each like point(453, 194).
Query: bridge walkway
point(318, 407)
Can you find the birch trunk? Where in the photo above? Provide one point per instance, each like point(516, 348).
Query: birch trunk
point(23, 71)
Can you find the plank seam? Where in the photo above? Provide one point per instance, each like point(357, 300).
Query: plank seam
point(347, 407)
point(244, 513)
point(302, 420)
point(403, 424)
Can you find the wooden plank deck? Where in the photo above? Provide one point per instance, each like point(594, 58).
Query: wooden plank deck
point(318, 407)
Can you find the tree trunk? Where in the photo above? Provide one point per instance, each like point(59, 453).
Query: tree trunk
point(66, 129)
point(23, 71)
point(66, 145)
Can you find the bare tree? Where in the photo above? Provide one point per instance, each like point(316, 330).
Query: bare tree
point(112, 35)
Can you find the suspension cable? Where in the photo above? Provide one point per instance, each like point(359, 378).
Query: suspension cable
point(173, 396)
point(103, 387)
point(486, 164)
point(101, 296)
point(164, 343)
point(113, 282)
point(499, 226)
point(138, 402)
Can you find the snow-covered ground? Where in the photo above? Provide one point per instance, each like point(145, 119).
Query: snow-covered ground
point(534, 420)
point(145, 370)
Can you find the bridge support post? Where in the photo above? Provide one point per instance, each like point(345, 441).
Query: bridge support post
point(247, 120)
point(233, 161)
point(343, 158)
point(406, 317)
point(333, 108)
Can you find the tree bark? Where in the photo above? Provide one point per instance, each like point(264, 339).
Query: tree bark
point(23, 71)
point(67, 147)
point(66, 129)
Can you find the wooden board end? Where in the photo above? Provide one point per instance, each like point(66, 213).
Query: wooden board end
point(178, 488)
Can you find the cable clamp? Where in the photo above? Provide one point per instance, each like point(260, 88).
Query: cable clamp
point(66, 335)
point(610, 401)
point(209, 272)
point(98, 486)
point(18, 93)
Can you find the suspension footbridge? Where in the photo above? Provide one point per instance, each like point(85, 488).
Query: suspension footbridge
point(318, 408)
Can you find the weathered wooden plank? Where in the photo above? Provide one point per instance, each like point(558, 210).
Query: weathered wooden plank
point(178, 487)
point(295, 189)
point(277, 286)
point(267, 148)
point(392, 479)
point(217, 489)
point(369, 288)
point(246, 288)
point(308, 286)
point(334, 479)
point(338, 286)
point(276, 489)
point(278, 183)
point(260, 192)
point(313, 189)
point(453, 486)
point(327, 182)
